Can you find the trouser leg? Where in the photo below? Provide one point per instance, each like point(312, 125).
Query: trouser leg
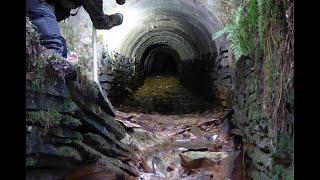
point(43, 17)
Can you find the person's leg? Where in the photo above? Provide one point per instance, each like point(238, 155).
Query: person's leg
point(43, 17)
point(97, 16)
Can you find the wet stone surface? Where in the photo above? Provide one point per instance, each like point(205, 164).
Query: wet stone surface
point(185, 146)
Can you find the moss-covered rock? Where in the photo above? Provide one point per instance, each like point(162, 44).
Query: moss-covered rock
point(263, 88)
point(109, 148)
point(111, 163)
point(44, 102)
point(60, 109)
point(43, 118)
point(281, 172)
point(68, 152)
point(51, 118)
point(31, 161)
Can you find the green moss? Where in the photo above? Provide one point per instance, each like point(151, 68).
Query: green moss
point(78, 136)
point(69, 120)
point(166, 94)
point(254, 109)
point(280, 172)
point(261, 159)
point(251, 84)
point(44, 118)
point(266, 91)
point(151, 88)
point(37, 85)
point(31, 161)
point(284, 146)
point(67, 151)
point(69, 104)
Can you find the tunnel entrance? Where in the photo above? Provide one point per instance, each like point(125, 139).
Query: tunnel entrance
point(160, 60)
point(163, 90)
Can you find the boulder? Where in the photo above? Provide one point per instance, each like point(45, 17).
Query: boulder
point(193, 160)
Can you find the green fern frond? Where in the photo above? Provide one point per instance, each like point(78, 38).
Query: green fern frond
point(240, 33)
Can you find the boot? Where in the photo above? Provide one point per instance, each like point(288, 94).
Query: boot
point(121, 2)
point(114, 20)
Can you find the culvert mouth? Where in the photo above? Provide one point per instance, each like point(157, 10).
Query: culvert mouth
point(160, 60)
point(167, 38)
point(165, 88)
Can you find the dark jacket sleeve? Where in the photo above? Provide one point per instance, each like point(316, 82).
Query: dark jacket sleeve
point(95, 11)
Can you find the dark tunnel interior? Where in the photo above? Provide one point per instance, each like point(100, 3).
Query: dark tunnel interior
point(160, 60)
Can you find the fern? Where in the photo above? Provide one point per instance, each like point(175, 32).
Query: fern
point(234, 34)
point(241, 31)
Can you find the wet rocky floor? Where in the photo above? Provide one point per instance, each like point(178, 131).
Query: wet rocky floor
point(179, 135)
point(185, 146)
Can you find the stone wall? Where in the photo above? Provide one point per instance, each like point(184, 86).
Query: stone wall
point(221, 77)
point(262, 96)
point(195, 74)
point(69, 123)
point(209, 76)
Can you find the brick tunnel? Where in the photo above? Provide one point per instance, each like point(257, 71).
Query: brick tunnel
point(170, 38)
point(169, 95)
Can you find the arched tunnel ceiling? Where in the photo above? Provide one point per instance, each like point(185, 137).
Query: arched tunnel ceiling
point(184, 25)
